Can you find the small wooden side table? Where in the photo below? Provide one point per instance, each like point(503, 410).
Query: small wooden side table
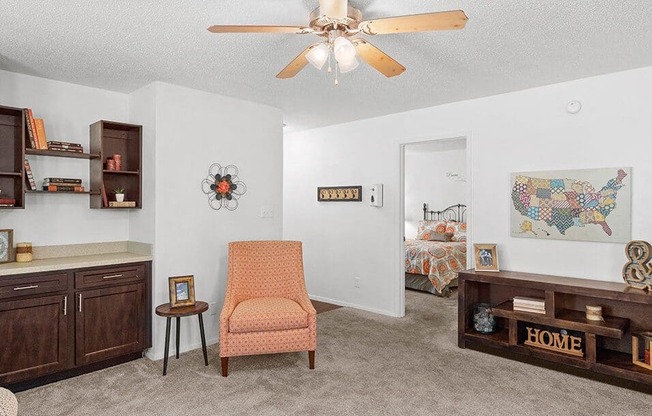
point(169, 312)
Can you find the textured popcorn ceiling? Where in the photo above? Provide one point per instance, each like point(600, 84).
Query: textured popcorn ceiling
point(507, 45)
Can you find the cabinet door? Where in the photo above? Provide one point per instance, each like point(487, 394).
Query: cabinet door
point(33, 337)
point(109, 323)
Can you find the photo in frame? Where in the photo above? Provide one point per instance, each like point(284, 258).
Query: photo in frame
point(182, 291)
point(6, 246)
point(486, 257)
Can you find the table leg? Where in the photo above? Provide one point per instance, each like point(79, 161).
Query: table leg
point(203, 338)
point(167, 346)
point(178, 334)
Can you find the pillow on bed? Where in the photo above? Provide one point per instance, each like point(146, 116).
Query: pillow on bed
point(430, 235)
point(458, 229)
point(436, 226)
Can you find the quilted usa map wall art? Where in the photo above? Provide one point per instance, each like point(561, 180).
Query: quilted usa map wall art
point(583, 204)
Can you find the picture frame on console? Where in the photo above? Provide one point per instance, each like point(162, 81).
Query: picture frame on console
point(486, 257)
point(6, 246)
point(182, 291)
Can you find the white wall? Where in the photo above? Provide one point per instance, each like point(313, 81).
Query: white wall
point(433, 175)
point(67, 110)
point(193, 130)
point(522, 131)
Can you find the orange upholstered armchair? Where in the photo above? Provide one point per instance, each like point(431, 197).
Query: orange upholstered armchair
point(266, 309)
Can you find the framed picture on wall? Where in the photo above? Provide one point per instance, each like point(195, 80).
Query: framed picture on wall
point(182, 291)
point(6, 246)
point(486, 257)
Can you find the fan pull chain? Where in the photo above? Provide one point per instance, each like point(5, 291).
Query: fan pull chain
point(329, 58)
point(337, 82)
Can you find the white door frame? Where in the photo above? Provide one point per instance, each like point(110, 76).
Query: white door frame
point(400, 251)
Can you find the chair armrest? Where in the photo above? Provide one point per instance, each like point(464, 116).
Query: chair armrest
point(304, 301)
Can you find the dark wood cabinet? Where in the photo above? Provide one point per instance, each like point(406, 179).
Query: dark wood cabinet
point(57, 324)
point(109, 138)
point(606, 346)
point(109, 323)
point(33, 337)
point(12, 156)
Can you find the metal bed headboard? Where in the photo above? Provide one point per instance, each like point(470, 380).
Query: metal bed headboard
point(453, 213)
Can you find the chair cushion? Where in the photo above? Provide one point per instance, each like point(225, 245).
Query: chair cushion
point(8, 403)
point(267, 314)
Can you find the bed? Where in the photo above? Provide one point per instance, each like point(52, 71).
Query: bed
point(434, 258)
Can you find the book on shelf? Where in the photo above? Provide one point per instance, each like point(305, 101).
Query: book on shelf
point(60, 149)
point(529, 302)
point(63, 188)
point(647, 351)
point(7, 202)
point(64, 144)
point(122, 204)
point(30, 132)
point(529, 310)
point(29, 177)
point(40, 133)
point(105, 200)
point(63, 180)
point(32, 122)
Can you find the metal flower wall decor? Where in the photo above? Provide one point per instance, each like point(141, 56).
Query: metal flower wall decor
point(223, 187)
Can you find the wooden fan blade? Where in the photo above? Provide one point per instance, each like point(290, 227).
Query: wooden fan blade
point(455, 19)
point(259, 29)
point(382, 62)
point(335, 9)
point(296, 65)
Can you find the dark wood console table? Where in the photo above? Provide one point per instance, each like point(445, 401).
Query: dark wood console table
point(607, 346)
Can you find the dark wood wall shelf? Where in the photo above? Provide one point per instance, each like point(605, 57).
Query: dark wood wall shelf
point(107, 139)
point(54, 153)
point(29, 191)
point(12, 155)
point(606, 346)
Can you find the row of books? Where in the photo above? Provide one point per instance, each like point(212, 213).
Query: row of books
point(647, 340)
point(532, 305)
point(35, 130)
point(38, 139)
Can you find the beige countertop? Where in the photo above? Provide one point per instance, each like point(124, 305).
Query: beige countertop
point(78, 259)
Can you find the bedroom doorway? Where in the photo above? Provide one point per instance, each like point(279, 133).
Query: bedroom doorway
point(435, 204)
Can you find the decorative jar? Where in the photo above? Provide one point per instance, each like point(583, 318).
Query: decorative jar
point(483, 318)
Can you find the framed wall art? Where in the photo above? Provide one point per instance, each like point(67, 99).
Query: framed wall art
point(182, 291)
point(6, 246)
point(582, 204)
point(339, 193)
point(486, 257)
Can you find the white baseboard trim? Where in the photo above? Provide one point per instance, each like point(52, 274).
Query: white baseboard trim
point(184, 348)
point(351, 305)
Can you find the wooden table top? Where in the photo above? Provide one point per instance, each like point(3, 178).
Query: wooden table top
point(168, 311)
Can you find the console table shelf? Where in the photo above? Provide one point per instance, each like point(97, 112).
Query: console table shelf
point(606, 346)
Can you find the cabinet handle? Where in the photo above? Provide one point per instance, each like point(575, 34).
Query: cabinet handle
point(80, 302)
point(113, 276)
point(26, 287)
point(65, 305)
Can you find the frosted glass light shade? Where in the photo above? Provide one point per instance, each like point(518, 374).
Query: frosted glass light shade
point(318, 55)
point(348, 66)
point(344, 50)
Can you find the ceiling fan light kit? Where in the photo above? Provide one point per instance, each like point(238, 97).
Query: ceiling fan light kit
point(339, 23)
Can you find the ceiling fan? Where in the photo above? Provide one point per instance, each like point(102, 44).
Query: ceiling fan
point(339, 24)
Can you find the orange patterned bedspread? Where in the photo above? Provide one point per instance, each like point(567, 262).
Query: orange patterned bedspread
point(438, 260)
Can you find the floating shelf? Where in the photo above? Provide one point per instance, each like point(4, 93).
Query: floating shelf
point(121, 172)
point(55, 153)
point(18, 174)
point(61, 192)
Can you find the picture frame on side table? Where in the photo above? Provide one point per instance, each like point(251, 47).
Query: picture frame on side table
point(6, 246)
point(486, 257)
point(182, 291)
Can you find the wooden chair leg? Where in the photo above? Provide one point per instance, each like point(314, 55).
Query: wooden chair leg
point(311, 359)
point(225, 366)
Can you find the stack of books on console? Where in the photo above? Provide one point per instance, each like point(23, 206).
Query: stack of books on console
point(63, 185)
point(66, 147)
point(532, 305)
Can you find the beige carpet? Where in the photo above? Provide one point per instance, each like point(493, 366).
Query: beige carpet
point(367, 364)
